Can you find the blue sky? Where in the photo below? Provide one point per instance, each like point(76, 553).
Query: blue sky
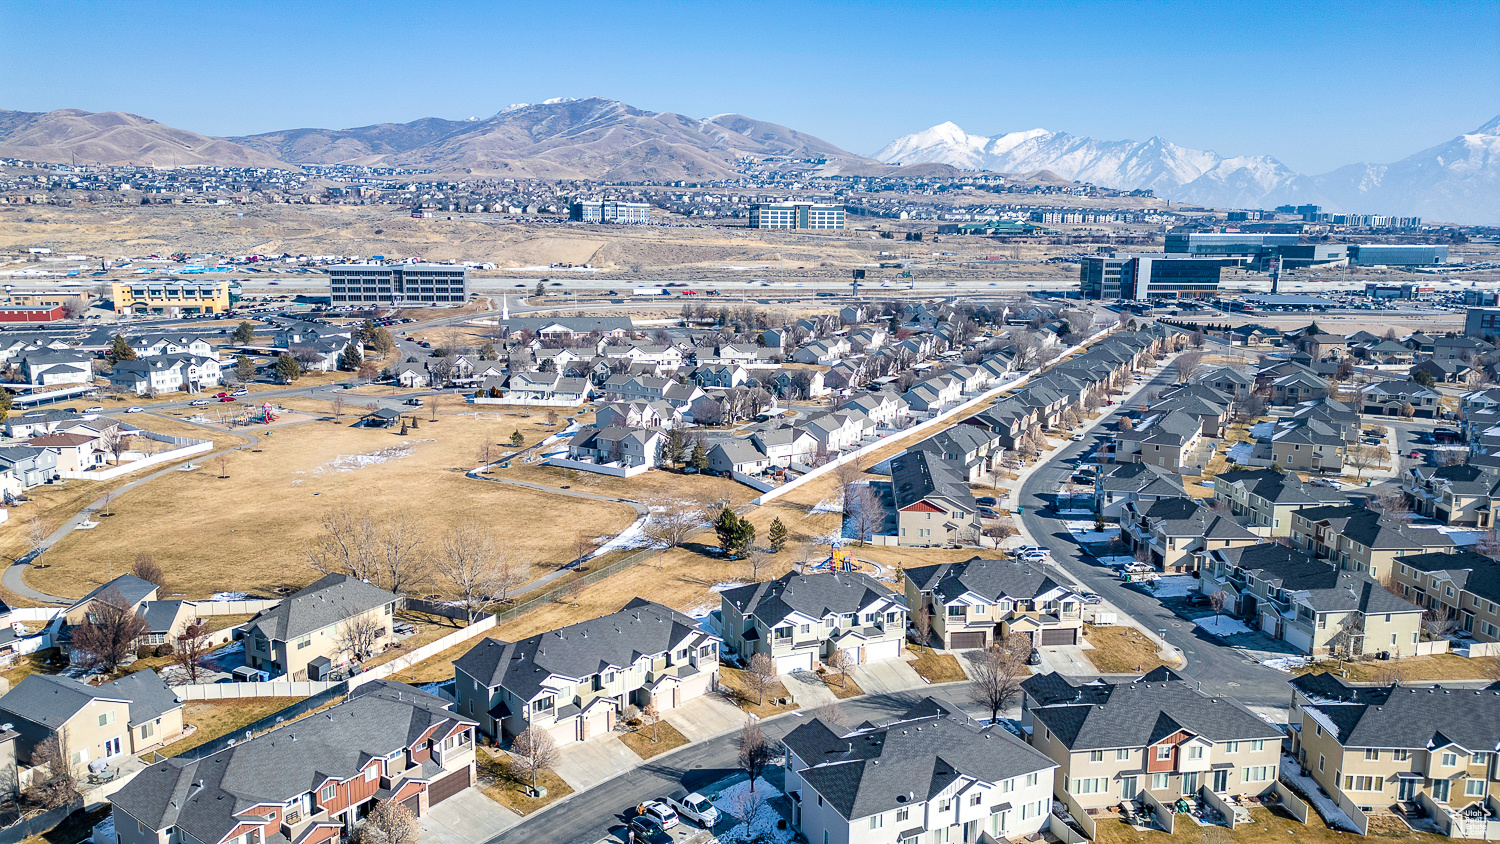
point(1315, 84)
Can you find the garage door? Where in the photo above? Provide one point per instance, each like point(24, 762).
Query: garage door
point(794, 662)
point(1066, 636)
point(413, 804)
point(966, 641)
point(448, 786)
point(882, 650)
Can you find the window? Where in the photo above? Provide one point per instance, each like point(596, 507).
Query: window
point(1479, 757)
point(1258, 745)
point(1164, 752)
point(944, 805)
point(304, 642)
point(1450, 759)
point(1096, 756)
point(1122, 755)
point(782, 633)
point(1258, 773)
point(1195, 751)
point(1008, 786)
point(877, 821)
point(957, 611)
point(1474, 788)
point(1366, 783)
point(329, 791)
point(1159, 781)
point(1320, 763)
point(1231, 747)
point(1401, 755)
point(806, 628)
point(147, 730)
point(1372, 754)
point(1090, 785)
point(902, 814)
point(1032, 779)
point(371, 773)
point(543, 704)
point(106, 718)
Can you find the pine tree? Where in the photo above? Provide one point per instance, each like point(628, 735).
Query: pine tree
point(777, 535)
point(350, 358)
point(735, 534)
point(243, 368)
point(516, 438)
point(244, 333)
point(119, 350)
point(674, 447)
point(541, 289)
point(287, 368)
point(700, 457)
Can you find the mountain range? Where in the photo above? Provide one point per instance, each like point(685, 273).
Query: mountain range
point(602, 139)
point(1458, 180)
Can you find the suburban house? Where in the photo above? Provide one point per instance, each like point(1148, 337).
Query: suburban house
point(1315, 606)
point(310, 781)
point(615, 444)
point(1165, 440)
point(968, 449)
point(75, 452)
point(977, 603)
point(410, 375)
point(1389, 398)
point(737, 454)
point(1463, 586)
point(785, 446)
point(1177, 532)
point(934, 505)
point(1462, 494)
point(127, 589)
point(1159, 734)
point(308, 634)
point(1360, 539)
point(1307, 445)
point(1297, 387)
point(124, 717)
point(1138, 483)
point(1266, 498)
point(930, 775)
point(575, 682)
point(1375, 747)
point(165, 374)
point(799, 620)
point(50, 368)
point(884, 409)
point(637, 414)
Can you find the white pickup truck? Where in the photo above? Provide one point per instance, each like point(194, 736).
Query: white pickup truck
point(695, 807)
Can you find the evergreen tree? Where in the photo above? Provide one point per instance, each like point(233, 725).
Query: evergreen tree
point(674, 447)
point(287, 368)
point(700, 456)
point(350, 358)
point(487, 352)
point(735, 533)
point(244, 333)
point(777, 535)
point(516, 438)
point(119, 350)
point(367, 332)
point(243, 368)
point(541, 288)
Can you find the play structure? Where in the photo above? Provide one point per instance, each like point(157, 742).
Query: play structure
point(263, 415)
point(842, 559)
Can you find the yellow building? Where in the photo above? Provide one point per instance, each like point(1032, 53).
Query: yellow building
point(171, 296)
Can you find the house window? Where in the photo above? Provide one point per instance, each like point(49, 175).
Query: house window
point(106, 718)
point(1372, 754)
point(1450, 759)
point(371, 773)
point(1096, 756)
point(1195, 751)
point(1008, 786)
point(944, 805)
point(1032, 779)
point(782, 633)
point(1259, 773)
point(1232, 747)
point(877, 821)
point(806, 628)
point(1474, 788)
point(543, 704)
point(902, 814)
point(1164, 752)
point(147, 730)
point(1365, 783)
point(1401, 755)
point(328, 792)
point(1160, 781)
point(304, 642)
point(956, 612)
point(1122, 755)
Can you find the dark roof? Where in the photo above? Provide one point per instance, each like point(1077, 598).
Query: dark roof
point(1373, 530)
point(993, 579)
point(815, 595)
point(133, 589)
point(920, 474)
point(1141, 713)
point(149, 696)
point(1324, 586)
point(873, 768)
point(1475, 573)
point(1279, 487)
point(1411, 717)
point(329, 600)
point(50, 700)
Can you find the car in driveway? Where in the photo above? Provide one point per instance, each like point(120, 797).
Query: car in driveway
point(988, 513)
point(986, 501)
point(1090, 598)
point(695, 807)
point(659, 811)
point(648, 831)
point(1035, 556)
point(1025, 549)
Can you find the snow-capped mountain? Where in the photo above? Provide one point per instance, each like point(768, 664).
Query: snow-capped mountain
point(1454, 181)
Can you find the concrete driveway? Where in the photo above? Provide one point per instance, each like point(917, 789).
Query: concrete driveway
point(1067, 660)
point(886, 676)
point(464, 818)
point(585, 764)
point(705, 717)
point(808, 689)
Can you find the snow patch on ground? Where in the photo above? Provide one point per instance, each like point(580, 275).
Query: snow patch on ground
point(1308, 789)
point(230, 596)
point(631, 537)
point(726, 585)
point(827, 505)
point(1285, 663)
point(1084, 532)
point(350, 462)
point(1116, 560)
point(1240, 453)
point(1221, 625)
point(1176, 586)
point(762, 827)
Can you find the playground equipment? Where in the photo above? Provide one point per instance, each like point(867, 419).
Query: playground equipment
point(262, 415)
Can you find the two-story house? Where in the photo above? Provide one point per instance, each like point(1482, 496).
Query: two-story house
point(1159, 734)
point(1313, 605)
point(1138, 483)
point(1463, 585)
point(308, 634)
point(1357, 538)
point(1177, 532)
point(1307, 445)
point(309, 781)
point(575, 682)
point(799, 620)
point(934, 505)
point(1462, 494)
point(1374, 747)
point(165, 374)
point(930, 776)
point(1388, 398)
point(124, 717)
point(978, 602)
point(785, 446)
point(616, 444)
point(1265, 498)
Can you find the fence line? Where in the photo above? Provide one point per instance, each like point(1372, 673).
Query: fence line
point(199, 447)
point(416, 655)
point(241, 691)
point(1291, 802)
point(599, 468)
point(322, 698)
point(38, 824)
point(205, 609)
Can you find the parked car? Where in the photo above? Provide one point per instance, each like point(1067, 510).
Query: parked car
point(240, 392)
point(695, 807)
point(413, 402)
point(98, 408)
point(1035, 658)
point(220, 395)
point(986, 501)
point(1035, 556)
point(660, 812)
point(228, 398)
point(1022, 549)
point(1090, 598)
point(1077, 438)
point(988, 513)
point(134, 409)
point(199, 402)
point(646, 829)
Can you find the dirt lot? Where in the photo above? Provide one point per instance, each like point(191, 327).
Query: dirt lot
point(248, 532)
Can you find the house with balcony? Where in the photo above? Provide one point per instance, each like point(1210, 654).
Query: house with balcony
point(309, 781)
point(1307, 445)
point(1164, 440)
point(1177, 533)
point(785, 446)
point(1463, 586)
point(305, 637)
point(1137, 483)
point(799, 620)
point(977, 603)
point(1356, 538)
point(1312, 605)
point(1264, 499)
point(968, 449)
point(1159, 734)
point(1462, 494)
point(930, 775)
point(575, 682)
point(1426, 750)
point(934, 504)
point(616, 444)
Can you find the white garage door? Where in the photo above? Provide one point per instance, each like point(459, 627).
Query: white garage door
point(794, 662)
point(851, 655)
point(882, 650)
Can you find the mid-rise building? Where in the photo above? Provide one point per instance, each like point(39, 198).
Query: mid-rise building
point(1225, 244)
point(397, 285)
point(610, 211)
point(170, 296)
point(796, 215)
point(1396, 254)
point(1480, 323)
point(1153, 276)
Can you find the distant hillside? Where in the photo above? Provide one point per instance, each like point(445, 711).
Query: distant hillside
point(114, 137)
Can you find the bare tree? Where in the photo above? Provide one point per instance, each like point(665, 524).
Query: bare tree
point(747, 806)
point(388, 823)
point(651, 717)
point(1437, 620)
point(109, 631)
point(532, 752)
point(832, 713)
point(757, 562)
point(54, 781)
point(756, 752)
point(148, 569)
point(1186, 364)
point(673, 522)
point(838, 662)
point(190, 649)
point(1362, 457)
point(998, 671)
point(358, 635)
point(222, 461)
point(921, 622)
point(115, 441)
point(433, 402)
point(474, 565)
point(36, 537)
point(398, 555)
point(1217, 600)
point(346, 543)
point(338, 406)
point(582, 547)
point(866, 512)
point(760, 673)
point(1393, 506)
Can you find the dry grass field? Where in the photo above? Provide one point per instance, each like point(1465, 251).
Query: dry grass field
point(248, 532)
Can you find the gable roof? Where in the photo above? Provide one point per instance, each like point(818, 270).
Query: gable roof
point(132, 589)
point(1140, 713)
point(994, 580)
point(1421, 718)
point(327, 601)
point(50, 700)
point(813, 595)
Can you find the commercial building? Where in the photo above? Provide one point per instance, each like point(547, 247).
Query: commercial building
point(1149, 277)
point(1482, 322)
point(170, 297)
point(364, 285)
point(610, 211)
point(1396, 254)
point(32, 314)
point(1225, 244)
point(796, 215)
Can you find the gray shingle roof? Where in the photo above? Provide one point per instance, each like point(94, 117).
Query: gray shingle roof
point(874, 769)
point(329, 600)
point(149, 696)
point(816, 595)
point(993, 579)
point(1140, 713)
point(133, 589)
point(50, 700)
point(918, 474)
point(1407, 716)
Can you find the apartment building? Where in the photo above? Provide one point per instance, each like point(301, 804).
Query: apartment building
point(170, 297)
point(1464, 586)
point(1158, 734)
point(1163, 440)
point(1139, 483)
point(308, 634)
point(1357, 538)
point(1374, 747)
point(976, 603)
point(796, 215)
point(930, 776)
point(1266, 499)
point(610, 211)
point(403, 285)
point(1464, 494)
point(575, 682)
point(1313, 605)
point(1176, 533)
point(310, 781)
point(799, 620)
point(1307, 445)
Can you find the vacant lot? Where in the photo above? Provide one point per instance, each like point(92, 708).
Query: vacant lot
point(249, 531)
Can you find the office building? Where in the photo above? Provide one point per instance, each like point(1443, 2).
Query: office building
point(170, 296)
point(1153, 276)
point(796, 215)
point(364, 285)
point(610, 211)
point(1482, 322)
point(1225, 245)
point(1396, 254)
